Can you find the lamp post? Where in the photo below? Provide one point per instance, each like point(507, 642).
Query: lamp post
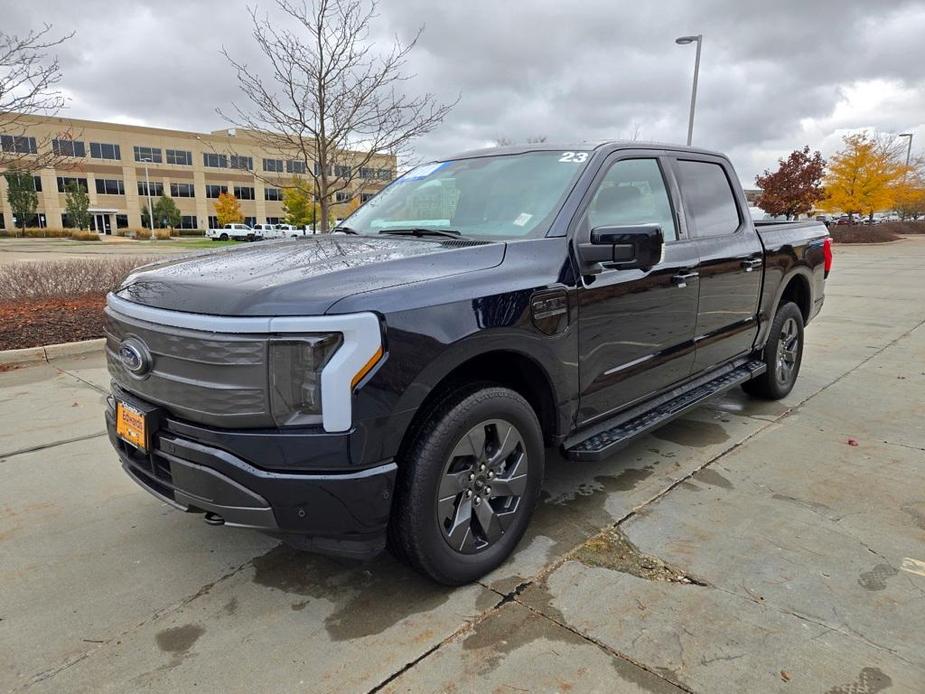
point(908, 149)
point(147, 161)
point(908, 159)
point(683, 41)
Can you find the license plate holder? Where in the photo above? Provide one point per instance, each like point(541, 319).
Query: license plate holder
point(135, 424)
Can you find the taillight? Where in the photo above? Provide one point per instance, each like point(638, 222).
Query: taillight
point(827, 255)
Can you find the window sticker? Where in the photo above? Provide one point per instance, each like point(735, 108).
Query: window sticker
point(573, 157)
point(522, 219)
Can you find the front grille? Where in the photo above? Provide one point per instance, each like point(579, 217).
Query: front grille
point(203, 377)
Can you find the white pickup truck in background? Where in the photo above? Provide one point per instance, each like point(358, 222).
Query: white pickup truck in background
point(238, 232)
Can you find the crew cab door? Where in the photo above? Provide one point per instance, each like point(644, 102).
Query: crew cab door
point(636, 327)
point(731, 259)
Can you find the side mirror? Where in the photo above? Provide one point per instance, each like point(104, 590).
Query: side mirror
point(622, 248)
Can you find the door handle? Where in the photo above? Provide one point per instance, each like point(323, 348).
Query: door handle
point(680, 281)
point(751, 264)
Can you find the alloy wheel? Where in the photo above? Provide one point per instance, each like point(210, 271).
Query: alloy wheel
point(788, 347)
point(481, 486)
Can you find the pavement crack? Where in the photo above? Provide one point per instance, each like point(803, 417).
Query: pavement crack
point(154, 616)
point(104, 391)
point(605, 647)
point(53, 444)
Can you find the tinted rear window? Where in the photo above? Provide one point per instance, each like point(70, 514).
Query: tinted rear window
point(711, 206)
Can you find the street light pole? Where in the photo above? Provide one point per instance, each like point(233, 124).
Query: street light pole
point(906, 171)
point(683, 41)
point(908, 149)
point(148, 191)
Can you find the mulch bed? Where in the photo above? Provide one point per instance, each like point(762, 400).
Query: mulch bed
point(47, 321)
point(862, 234)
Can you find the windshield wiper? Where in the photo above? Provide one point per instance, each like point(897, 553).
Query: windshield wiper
point(345, 230)
point(422, 231)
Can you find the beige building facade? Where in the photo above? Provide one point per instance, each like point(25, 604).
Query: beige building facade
point(121, 166)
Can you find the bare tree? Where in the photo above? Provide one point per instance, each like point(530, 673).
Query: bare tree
point(29, 75)
point(330, 97)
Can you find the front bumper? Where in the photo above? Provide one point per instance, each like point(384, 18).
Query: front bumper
point(344, 513)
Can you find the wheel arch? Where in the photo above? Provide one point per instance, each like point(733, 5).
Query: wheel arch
point(798, 289)
point(508, 368)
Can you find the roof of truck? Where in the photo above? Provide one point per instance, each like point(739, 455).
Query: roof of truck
point(609, 145)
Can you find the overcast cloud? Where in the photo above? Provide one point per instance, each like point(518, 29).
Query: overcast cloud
point(774, 76)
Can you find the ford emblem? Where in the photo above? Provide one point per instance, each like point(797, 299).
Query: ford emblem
point(134, 357)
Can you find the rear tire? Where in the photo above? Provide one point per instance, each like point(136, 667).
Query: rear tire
point(468, 484)
point(223, 237)
point(783, 354)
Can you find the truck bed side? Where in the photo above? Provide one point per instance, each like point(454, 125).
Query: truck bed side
point(794, 266)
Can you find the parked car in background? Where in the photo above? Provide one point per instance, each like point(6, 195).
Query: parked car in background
point(266, 231)
point(237, 232)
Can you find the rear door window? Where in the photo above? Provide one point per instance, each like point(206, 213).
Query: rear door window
point(710, 202)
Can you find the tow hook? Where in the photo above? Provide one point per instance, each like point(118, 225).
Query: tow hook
point(213, 518)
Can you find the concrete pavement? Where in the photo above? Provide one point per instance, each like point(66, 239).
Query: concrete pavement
point(749, 546)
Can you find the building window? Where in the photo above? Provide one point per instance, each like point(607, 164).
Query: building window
point(2, 223)
point(18, 144)
point(157, 189)
point(66, 221)
point(65, 182)
point(68, 148)
point(216, 161)
point(213, 191)
point(109, 186)
point(274, 220)
point(213, 222)
point(272, 194)
point(101, 150)
point(342, 196)
point(250, 221)
point(342, 171)
point(295, 167)
point(239, 161)
point(37, 184)
point(179, 156)
point(366, 197)
point(121, 221)
point(188, 221)
point(182, 190)
point(152, 154)
point(273, 165)
point(244, 192)
point(367, 172)
point(384, 174)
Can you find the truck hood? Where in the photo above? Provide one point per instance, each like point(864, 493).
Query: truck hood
point(301, 276)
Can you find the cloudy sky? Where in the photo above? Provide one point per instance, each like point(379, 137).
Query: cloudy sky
point(774, 76)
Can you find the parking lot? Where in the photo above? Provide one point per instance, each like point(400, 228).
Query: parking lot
point(750, 546)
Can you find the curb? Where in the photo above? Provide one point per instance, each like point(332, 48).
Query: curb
point(36, 355)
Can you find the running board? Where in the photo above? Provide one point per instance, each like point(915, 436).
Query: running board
point(603, 440)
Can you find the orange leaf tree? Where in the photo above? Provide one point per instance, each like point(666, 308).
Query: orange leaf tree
point(795, 187)
point(862, 177)
point(228, 209)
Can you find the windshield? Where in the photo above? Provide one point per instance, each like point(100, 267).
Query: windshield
point(504, 196)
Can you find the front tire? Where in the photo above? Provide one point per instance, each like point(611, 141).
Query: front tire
point(783, 354)
point(468, 485)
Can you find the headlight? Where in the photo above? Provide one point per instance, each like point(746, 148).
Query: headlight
point(295, 377)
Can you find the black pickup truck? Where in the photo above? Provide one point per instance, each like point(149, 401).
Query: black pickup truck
point(397, 381)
